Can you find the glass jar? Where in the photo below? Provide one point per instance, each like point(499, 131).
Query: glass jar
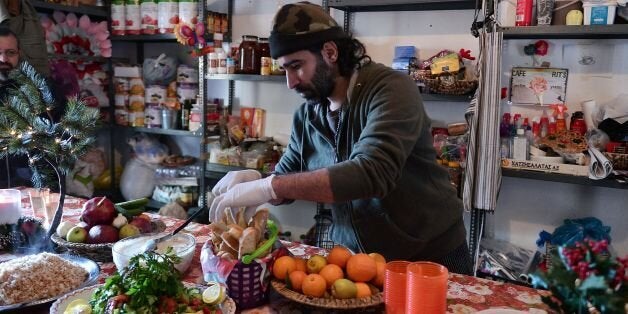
point(264, 53)
point(249, 55)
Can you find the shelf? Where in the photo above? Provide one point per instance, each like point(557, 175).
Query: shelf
point(91, 10)
point(160, 131)
point(616, 31)
point(447, 98)
point(154, 205)
point(146, 38)
point(400, 5)
point(217, 171)
point(84, 58)
point(563, 178)
point(247, 77)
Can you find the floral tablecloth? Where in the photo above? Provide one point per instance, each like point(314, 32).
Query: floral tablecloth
point(465, 294)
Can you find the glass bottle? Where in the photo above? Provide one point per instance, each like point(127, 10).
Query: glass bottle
point(264, 53)
point(249, 55)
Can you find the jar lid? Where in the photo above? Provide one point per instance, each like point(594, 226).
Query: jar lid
point(263, 40)
point(249, 37)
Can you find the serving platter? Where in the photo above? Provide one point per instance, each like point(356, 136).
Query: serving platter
point(228, 306)
point(91, 267)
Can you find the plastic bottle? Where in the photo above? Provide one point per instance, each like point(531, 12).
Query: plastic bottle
point(520, 146)
point(504, 136)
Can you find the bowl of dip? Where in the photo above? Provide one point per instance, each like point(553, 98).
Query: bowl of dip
point(183, 245)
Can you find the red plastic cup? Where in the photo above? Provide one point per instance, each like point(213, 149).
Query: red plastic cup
point(426, 290)
point(395, 287)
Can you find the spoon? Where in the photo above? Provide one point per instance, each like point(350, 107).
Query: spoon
point(151, 244)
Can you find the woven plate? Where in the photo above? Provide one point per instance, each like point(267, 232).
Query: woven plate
point(96, 252)
point(339, 304)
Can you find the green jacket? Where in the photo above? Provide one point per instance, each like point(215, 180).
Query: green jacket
point(402, 204)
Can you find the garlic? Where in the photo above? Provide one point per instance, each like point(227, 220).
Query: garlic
point(119, 221)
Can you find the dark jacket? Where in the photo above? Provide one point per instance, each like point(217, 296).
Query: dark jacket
point(403, 205)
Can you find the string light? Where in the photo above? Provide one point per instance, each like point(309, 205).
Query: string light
point(13, 132)
point(57, 140)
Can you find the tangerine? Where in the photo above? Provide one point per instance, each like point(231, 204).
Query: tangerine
point(339, 256)
point(301, 264)
point(296, 279)
point(314, 285)
point(283, 267)
point(378, 257)
point(363, 290)
point(381, 272)
point(361, 267)
point(331, 273)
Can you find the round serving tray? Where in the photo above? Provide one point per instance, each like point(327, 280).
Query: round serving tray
point(339, 304)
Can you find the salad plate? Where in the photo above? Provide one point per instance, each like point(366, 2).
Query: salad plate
point(90, 267)
point(228, 306)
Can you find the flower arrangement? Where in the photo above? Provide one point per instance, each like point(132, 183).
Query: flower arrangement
point(192, 35)
point(584, 278)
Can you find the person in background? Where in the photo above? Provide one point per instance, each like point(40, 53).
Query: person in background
point(14, 171)
point(360, 142)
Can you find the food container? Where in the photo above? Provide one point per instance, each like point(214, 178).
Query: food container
point(132, 17)
point(183, 245)
point(148, 12)
point(562, 8)
point(152, 115)
point(169, 119)
point(118, 18)
point(167, 15)
point(187, 74)
point(599, 12)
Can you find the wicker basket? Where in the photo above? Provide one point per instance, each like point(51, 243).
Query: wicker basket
point(338, 304)
point(437, 86)
point(248, 285)
point(95, 252)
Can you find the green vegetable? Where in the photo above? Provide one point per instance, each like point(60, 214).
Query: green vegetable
point(148, 277)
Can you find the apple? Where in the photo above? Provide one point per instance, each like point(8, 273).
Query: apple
point(143, 224)
point(63, 229)
point(102, 234)
point(76, 234)
point(128, 230)
point(98, 211)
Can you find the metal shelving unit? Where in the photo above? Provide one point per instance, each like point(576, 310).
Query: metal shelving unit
point(615, 31)
point(161, 131)
point(246, 77)
point(400, 5)
point(217, 171)
point(91, 10)
point(563, 178)
point(146, 38)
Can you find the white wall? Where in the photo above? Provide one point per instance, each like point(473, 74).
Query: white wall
point(525, 207)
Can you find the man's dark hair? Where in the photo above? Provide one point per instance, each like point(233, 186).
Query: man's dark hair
point(351, 54)
point(5, 32)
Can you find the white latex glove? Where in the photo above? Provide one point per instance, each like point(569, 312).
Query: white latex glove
point(235, 177)
point(248, 194)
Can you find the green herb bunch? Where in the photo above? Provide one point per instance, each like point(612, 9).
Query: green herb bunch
point(584, 278)
point(148, 277)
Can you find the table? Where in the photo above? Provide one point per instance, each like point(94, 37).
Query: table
point(465, 294)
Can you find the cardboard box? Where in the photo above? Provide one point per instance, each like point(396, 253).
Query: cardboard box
point(575, 170)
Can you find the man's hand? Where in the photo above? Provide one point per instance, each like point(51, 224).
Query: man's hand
point(235, 177)
point(248, 194)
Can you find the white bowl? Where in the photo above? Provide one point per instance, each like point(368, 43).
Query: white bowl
point(183, 245)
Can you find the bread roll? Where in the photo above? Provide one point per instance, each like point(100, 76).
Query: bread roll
point(225, 248)
point(248, 241)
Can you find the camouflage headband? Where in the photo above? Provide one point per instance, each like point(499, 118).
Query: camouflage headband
point(299, 26)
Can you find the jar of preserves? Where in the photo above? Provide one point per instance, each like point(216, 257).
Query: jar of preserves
point(249, 55)
point(264, 53)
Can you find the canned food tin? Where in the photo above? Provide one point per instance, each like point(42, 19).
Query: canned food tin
point(155, 94)
point(152, 115)
point(122, 116)
point(187, 91)
point(167, 15)
point(132, 17)
point(187, 74)
point(148, 12)
point(188, 11)
point(118, 17)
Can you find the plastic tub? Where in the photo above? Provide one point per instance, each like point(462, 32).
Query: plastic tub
point(599, 12)
point(183, 245)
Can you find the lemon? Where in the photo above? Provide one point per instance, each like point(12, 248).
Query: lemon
point(78, 306)
point(214, 294)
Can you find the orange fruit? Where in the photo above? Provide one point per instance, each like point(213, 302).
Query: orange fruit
point(363, 290)
point(296, 279)
point(301, 264)
point(331, 273)
point(361, 267)
point(378, 257)
point(381, 272)
point(314, 285)
point(339, 256)
point(283, 267)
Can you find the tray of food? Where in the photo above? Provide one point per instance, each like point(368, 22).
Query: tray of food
point(102, 224)
point(41, 278)
point(341, 280)
point(164, 293)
